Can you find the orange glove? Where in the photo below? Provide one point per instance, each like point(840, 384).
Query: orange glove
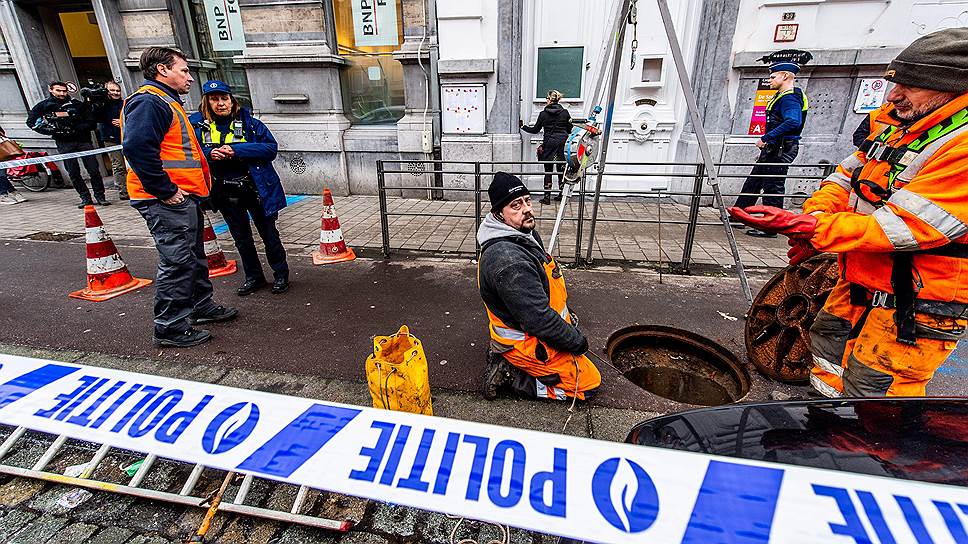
point(776, 220)
point(800, 250)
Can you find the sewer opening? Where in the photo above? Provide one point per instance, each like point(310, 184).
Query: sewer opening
point(46, 236)
point(678, 365)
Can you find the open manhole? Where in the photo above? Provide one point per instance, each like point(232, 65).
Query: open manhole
point(47, 236)
point(678, 365)
point(778, 327)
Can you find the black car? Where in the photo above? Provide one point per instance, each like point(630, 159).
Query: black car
point(923, 439)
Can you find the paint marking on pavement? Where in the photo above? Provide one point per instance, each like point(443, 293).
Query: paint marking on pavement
point(221, 227)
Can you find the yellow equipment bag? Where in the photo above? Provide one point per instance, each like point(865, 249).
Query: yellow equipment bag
point(397, 374)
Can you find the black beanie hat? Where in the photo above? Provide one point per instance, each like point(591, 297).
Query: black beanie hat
point(504, 189)
point(938, 61)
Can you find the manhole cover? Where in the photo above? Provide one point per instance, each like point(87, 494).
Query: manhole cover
point(778, 327)
point(45, 236)
point(678, 365)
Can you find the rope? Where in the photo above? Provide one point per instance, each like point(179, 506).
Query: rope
point(504, 529)
point(634, 21)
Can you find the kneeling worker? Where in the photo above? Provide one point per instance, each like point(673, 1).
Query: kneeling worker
point(535, 349)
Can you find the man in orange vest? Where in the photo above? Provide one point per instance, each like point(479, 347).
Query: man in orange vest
point(896, 213)
point(167, 181)
point(536, 349)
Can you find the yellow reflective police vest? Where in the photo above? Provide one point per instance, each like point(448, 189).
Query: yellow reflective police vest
point(212, 136)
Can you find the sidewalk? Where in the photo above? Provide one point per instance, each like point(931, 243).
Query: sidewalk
point(53, 211)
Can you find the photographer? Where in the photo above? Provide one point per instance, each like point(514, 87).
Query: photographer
point(108, 101)
point(69, 122)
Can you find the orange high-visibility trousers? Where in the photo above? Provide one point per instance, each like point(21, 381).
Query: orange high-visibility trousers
point(860, 356)
point(576, 374)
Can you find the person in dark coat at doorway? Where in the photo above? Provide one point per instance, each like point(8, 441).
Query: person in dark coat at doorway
point(556, 123)
point(240, 150)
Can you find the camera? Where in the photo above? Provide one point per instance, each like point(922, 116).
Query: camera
point(94, 92)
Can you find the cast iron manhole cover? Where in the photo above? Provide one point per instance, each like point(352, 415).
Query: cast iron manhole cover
point(778, 327)
point(46, 236)
point(678, 365)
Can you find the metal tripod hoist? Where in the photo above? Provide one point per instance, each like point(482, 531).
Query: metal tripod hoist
point(588, 143)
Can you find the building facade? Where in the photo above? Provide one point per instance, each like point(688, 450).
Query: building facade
point(344, 83)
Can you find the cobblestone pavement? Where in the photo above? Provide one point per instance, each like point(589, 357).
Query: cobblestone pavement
point(439, 231)
point(37, 512)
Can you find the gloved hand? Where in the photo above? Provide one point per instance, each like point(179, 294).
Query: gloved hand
point(800, 250)
point(776, 220)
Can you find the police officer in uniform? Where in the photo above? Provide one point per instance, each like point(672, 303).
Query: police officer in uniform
point(167, 181)
point(240, 149)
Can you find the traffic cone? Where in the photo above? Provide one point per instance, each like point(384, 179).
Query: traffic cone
point(332, 248)
point(107, 275)
point(218, 265)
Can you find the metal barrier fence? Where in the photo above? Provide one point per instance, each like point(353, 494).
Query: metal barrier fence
point(485, 169)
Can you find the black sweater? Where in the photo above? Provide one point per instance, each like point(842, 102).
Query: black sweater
point(75, 126)
point(515, 288)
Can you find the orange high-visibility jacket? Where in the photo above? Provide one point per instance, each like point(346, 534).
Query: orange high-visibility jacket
point(181, 155)
point(922, 205)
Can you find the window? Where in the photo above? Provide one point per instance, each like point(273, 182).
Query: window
point(367, 33)
point(216, 64)
point(560, 68)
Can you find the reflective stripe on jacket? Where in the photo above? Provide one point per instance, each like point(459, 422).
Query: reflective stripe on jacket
point(181, 155)
point(926, 205)
point(523, 345)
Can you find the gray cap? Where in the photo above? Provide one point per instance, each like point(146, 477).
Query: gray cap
point(938, 61)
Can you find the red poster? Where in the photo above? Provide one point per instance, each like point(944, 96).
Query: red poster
point(763, 96)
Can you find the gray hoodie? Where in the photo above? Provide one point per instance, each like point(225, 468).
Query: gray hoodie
point(515, 288)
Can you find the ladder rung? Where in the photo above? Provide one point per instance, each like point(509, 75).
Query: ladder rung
point(95, 461)
point(300, 499)
point(142, 470)
point(50, 453)
point(243, 489)
point(192, 480)
point(8, 443)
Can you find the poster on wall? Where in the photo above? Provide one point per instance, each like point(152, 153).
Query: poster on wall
point(763, 96)
point(870, 95)
point(375, 23)
point(463, 109)
point(225, 25)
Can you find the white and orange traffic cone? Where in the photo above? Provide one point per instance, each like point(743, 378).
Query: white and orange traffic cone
point(107, 275)
point(332, 247)
point(218, 265)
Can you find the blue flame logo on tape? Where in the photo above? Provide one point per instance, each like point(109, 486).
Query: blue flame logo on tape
point(625, 495)
point(230, 427)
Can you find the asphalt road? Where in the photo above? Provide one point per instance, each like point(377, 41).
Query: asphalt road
point(324, 325)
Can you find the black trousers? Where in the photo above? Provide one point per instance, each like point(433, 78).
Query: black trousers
point(552, 151)
point(182, 284)
point(236, 212)
point(774, 177)
point(74, 169)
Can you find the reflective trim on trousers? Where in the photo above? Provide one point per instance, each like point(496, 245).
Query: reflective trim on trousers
point(827, 366)
point(824, 388)
point(542, 390)
point(508, 333)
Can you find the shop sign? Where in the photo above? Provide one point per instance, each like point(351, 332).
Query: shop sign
point(375, 23)
point(870, 95)
point(225, 25)
point(762, 98)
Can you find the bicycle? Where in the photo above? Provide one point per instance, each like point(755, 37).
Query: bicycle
point(33, 177)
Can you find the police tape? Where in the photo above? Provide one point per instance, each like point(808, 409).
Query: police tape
point(54, 158)
point(555, 484)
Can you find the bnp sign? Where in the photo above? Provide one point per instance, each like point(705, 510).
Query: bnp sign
point(375, 22)
point(225, 25)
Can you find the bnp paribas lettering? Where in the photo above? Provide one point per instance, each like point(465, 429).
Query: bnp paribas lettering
point(222, 18)
point(368, 15)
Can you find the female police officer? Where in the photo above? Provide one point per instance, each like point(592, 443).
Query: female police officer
point(240, 150)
